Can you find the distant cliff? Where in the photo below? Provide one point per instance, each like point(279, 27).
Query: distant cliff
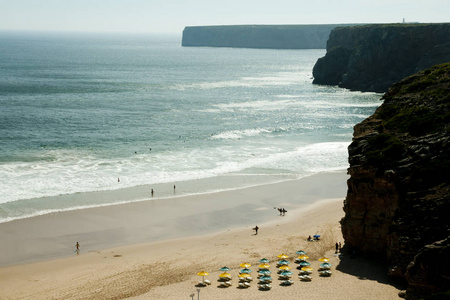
point(373, 57)
point(259, 36)
point(398, 199)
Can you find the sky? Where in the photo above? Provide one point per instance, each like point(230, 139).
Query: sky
point(171, 16)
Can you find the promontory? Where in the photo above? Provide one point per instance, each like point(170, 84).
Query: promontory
point(373, 57)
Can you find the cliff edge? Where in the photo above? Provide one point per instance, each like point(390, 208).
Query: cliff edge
point(373, 57)
point(398, 197)
point(259, 36)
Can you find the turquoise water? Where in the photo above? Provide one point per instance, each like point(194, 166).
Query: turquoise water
point(80, 112)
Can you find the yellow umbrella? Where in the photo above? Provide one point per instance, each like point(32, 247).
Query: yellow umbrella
point(303, 257)
point(242, 275)
point(245, 265)
point(225, 274)
point(203, 273)
point(307, 269)
point(264, 266)
point(284, 267)
point(324, 259)
point(283, 256)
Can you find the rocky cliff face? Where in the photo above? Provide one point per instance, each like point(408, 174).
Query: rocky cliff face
point(259, 36)
point(398, 200)
point(373, 57)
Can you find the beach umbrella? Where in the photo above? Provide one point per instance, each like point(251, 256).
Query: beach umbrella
point(283, 262)
point(286, 273)
point(285, 267)
point(307, 269)
point(264, 272)
point(304, 264)
point(203, 274)
point(324, 259)
point(224, 275)
point(245, 270)
point(303, 257)
point(224, 269)
point(243, 275)
point(300, 252)
point(264, 260)
point(283, 256)
point(264, 266)
point(245, 265)
point(265, 278)
point(325, 265)
point(316, 236)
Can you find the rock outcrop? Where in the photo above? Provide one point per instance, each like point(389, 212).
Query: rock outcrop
point(373, 57)
point(259, 36)
point(398, 197)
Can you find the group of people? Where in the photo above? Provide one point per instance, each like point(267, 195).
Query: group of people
point(338, 247)
point(282, 211)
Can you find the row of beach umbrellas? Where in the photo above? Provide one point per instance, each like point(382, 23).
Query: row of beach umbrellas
point(283, 267)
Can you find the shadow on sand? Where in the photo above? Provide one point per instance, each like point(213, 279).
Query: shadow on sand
point(366, 269)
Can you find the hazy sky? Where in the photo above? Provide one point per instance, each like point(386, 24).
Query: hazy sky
point(173, 15)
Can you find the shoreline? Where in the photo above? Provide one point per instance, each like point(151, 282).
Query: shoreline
point(168, 269)
point(55, 235)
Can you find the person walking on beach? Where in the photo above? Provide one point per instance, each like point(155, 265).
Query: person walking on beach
point(337, 248)
point(152, 192)
point(256, 229)
point(77, 245)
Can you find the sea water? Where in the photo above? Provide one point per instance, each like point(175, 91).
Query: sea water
point(89, 120)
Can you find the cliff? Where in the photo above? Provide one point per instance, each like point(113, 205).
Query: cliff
point(259, 36)
point(373, 57)
point(398, 196)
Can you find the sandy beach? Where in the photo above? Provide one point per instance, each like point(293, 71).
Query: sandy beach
point(139, 251)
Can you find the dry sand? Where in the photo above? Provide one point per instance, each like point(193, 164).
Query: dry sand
point(168, 269)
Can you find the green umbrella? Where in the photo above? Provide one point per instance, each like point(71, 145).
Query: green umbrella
point(264, 260)
point(304, 264)
point(224, 269)
point(264, 272)
point(301, 252)
point(283, 262)
point(245, 270)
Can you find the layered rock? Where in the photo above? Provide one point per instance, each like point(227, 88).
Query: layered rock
point(373, 57)
point(259, 36)
point(398, 196)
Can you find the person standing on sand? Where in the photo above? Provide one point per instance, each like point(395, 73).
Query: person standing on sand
point(152, 192)
point(256, 229)
point(77, 245)
point(337, 248)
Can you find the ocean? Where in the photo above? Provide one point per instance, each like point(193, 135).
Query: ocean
point(90, 120)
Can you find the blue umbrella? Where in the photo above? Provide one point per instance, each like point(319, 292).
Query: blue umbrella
point(301, 252)
point(286, 273)
point(316, 235)
point(264, 272)
point(304, 264)
point(245, 270)
point(224, 269)
point(325, 265)
point(265, 278)
point(283, 262)
point(264, 260)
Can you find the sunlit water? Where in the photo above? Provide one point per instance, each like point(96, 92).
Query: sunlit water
point(78, 113)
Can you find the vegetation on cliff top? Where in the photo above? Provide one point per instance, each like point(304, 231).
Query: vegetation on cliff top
point(415, 107)
point(428, 107)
